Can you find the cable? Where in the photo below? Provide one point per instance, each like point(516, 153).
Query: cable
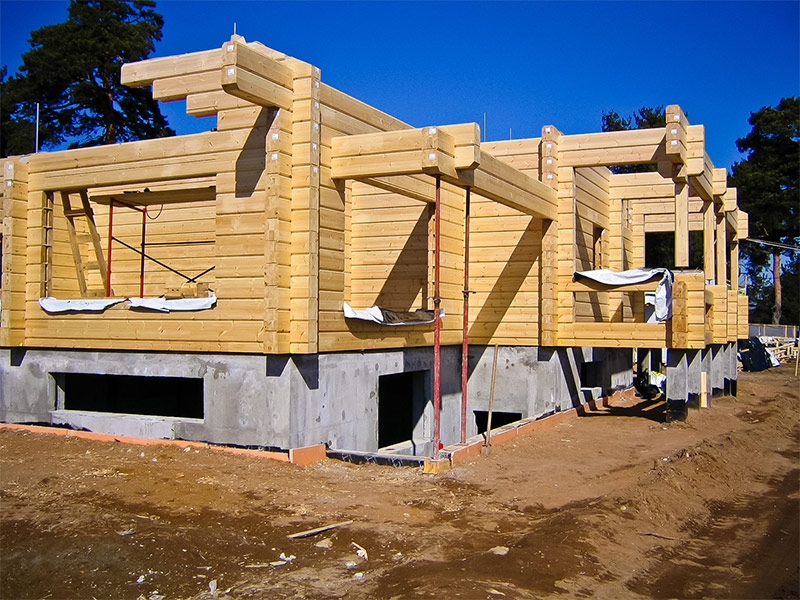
point(776, 244)
point(159, 212)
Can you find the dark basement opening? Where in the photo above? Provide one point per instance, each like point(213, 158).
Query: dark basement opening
point(401, 403)
point(592, 374)
point(131, 394)
point(499, 419)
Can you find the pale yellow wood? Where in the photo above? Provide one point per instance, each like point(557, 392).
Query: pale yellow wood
point(243, 84)
point(709, 224)
point(681, 225)
point(252, 59)
point(145, 72)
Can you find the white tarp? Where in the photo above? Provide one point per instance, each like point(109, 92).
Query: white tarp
point(663, 299)
point(385, 316)
point(56, 305)
point(164, 305)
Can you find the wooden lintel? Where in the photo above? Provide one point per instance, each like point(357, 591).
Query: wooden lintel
point(589, 285)
point(417, 187)
point(146, 197)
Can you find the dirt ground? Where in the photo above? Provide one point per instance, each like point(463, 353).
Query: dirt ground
point(614, 505)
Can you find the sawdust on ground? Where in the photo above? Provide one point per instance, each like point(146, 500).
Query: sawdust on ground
point(614, 505)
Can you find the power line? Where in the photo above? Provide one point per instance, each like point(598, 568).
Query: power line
point(776, 244)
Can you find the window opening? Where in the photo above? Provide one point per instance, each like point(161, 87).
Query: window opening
point(499, 419)
point(130, 394)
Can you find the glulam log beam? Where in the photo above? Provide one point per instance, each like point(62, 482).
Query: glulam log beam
point(253, 76)
point(634, 146)
point(730, 199)
point(145, 72)
point(506, 185)
point(676, 147)
point(434, 151)
point(743, 225)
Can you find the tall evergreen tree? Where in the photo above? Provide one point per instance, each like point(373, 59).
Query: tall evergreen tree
point(767, 181)
point(647, 117)
point(73, 71)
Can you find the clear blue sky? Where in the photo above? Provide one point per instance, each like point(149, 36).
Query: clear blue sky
point(525, 64)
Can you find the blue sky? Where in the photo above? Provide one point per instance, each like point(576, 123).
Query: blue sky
point(525, 64)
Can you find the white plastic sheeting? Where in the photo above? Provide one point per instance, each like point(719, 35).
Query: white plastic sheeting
point(663, 294)
point(384, 316)
point(57, 305)
point(164, 305)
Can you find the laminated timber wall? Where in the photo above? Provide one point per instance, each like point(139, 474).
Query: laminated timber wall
point(13, 249)
point(235, 325)
point(290, 243)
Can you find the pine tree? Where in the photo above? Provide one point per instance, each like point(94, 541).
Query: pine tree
point(73, 71)
point(767, 181)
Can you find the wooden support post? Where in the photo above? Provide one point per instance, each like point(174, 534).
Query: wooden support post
point(681, 225)
point(722, 251)
point(709, 222)
point(703, 389)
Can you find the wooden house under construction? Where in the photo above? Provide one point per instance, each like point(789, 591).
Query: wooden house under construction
point(308, 270)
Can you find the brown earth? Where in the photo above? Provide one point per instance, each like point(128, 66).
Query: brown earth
point(614, 505)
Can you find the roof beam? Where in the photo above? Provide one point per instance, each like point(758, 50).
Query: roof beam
point(452, 152)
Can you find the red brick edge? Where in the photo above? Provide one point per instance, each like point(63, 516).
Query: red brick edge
point(460, 452)
point(299, 456)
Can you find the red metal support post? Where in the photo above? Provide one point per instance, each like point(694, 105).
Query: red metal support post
point(141, 268)
point(436, 323)
point(110, 228)
point(465, 334)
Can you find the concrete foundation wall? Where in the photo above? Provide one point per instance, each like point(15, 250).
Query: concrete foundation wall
point(292, 401)
point(684, 368)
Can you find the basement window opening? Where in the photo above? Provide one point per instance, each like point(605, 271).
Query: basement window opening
point(401, 404)
point(499, 419)
point(591, 374)
point(180, 397)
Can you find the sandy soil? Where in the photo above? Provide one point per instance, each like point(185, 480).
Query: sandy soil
point(614, 505)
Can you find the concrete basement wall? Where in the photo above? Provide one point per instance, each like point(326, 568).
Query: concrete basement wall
point(291, 401)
